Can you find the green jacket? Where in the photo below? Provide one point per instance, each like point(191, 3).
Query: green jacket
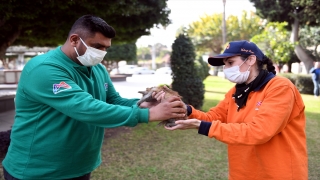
point(62, 109)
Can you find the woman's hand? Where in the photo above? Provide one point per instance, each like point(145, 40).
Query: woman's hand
point(185, 124)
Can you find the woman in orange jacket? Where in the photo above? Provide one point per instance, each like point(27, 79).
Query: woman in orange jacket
point(261, 118)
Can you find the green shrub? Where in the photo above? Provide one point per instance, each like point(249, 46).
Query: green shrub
point(290, 76)
point(202, 68)
point(186, 81)
point(303, 82)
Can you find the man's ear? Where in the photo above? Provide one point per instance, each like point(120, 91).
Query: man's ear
point(73, 39)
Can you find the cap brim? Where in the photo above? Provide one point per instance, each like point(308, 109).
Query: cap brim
point(218, 59)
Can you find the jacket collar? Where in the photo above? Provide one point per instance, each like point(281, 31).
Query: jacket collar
point(266, 80)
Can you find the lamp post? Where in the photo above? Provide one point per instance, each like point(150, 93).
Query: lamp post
point(154, 31)
point(153, 55)
point(224, 31)
point(153, 49)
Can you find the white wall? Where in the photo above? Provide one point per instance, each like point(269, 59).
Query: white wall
point(298, 68)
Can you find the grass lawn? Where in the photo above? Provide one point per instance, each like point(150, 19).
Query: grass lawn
point(150, 152)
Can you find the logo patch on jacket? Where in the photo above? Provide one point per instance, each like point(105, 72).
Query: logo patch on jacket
point(106, 86)
point(258, 105)
point(62, 86)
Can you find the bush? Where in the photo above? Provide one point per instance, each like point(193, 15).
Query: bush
point(290, 76)
point(186, 80)
point(303, 82)
point(4, 141)
point(202, 68)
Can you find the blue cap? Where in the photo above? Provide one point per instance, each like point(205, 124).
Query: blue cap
point(236, 48)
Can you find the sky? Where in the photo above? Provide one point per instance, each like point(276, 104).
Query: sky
point(184, 12)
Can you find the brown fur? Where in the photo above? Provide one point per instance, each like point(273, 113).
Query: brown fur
point(147, 96)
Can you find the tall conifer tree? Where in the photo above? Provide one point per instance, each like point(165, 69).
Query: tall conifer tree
point(185, 79)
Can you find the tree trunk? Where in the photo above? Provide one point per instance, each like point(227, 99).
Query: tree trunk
point(8, 40)
point(289, 67)
point(3, 48)
point(304, 57)
point(300, 52)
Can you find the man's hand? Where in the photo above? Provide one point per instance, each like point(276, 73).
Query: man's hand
point(169, 108)
point(185, 124)
point(159, 97)
point(146, 104)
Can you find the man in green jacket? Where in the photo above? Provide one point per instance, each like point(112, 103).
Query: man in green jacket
point(64, 100)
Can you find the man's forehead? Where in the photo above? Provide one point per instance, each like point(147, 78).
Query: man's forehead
point(99, 39)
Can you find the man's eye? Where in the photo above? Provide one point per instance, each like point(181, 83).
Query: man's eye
point(100, 48)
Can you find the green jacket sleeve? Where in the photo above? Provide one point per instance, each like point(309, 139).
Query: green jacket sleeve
point(54, 86)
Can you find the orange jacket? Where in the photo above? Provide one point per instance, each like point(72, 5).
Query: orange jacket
point(266, 138)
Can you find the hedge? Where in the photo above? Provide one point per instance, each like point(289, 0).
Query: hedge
point(303, 82)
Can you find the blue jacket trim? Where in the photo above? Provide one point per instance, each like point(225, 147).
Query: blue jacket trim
point(266, 80)
point(204, 128)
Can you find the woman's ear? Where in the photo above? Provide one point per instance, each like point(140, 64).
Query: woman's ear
point(252, 60)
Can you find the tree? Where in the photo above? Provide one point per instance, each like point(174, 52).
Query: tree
point(116, 53)
point(144, 53)
point(161, 53)
point(46, 23)
point(273, 41)
point(297, 13)
point(206, 33)
point(310, 40)
point(184, 75)
point(202, 68)
point(158, 48)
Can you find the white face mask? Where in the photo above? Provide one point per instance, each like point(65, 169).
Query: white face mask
point(234, 75)
point(91, 57)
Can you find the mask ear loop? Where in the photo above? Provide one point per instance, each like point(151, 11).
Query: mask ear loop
point(76, 50)
point(249, 67)
point(84, 45)
point(243, 62)
point(83, 42)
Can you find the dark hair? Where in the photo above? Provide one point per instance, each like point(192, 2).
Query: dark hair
point(262, 63)
point(87, 25)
